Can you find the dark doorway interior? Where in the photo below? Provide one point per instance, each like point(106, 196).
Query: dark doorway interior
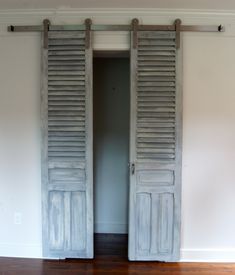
point(111, 101)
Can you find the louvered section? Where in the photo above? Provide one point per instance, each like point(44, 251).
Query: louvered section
point(156, 87)
point(66, 96)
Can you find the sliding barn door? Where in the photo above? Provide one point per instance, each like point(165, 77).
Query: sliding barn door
point(155, 147)
point(67, 200)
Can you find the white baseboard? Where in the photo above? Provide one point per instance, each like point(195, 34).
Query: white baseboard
point(187, 255)
point(208, 255)
point(119, 228)
point(20, 250)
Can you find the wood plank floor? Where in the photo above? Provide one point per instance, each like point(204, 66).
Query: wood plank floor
point(111, 258)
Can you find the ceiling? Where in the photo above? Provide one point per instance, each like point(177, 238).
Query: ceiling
point(161, 4)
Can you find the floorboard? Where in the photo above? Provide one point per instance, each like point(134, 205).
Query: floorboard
point(110, 258)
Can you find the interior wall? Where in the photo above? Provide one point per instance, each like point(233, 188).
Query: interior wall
point(208, 188)
point(208, 204)
point(111, 93)
point(20, 175)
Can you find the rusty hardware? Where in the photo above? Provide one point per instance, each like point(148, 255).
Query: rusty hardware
point(177, 33)
point(88, 23)
point(46, 24)
point(135, 23)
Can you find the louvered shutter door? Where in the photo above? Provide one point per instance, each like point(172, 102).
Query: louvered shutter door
point(155, 148)
point(67, 146)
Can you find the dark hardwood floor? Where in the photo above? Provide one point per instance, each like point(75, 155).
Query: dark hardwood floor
point(111, 258)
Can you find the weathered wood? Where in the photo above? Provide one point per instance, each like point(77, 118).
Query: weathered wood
point(70, 35)
point(65, 47)
point(72, 187)
point(152, 85)
point(153, 177)
point(66, 153)
point(61, 42)
point(156, 68)
point(132, 152)
point(149, 73)
point(143, 208)
point(155, 149)
point(61, 164)
point(66, 58)
point(160, 98)
point(150, 78)
point(155, 53)
point(157, 35)
point(66, 147)
point(157, 48)
point(67, 123)
point(156, 64)
point(178, 152)
point(66, 83)
point(78, 228)
point(75, 102)
point(156, 42)
point(59, 53)
point(67, 143)
point(70, 148)
point(155, 130)
point(64, 88)
point(154, 124)
point(65, 68)
point(66, 72)
point(89, 147)
point(153, 145)
point(66, 118)
point(155, 58)
point(44, 146)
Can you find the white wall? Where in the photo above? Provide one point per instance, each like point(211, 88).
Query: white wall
point(208, 201)
point(20, 145)
point(209, 144)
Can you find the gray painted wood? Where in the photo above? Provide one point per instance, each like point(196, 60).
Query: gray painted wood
point(155, 148)
point(66, 115)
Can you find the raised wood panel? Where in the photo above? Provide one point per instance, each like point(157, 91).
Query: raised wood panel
point(143, 204)
point(154, 222)
point(56, 220)
point(67, 221)
point(61, 175)
point(155, 177)
point(165, 222)
point(78, 221)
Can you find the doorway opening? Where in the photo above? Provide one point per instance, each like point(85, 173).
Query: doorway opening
point(111, 108)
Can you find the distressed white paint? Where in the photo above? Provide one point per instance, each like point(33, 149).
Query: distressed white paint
point(67, 166)
point(155, 147)
point(208, 203)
